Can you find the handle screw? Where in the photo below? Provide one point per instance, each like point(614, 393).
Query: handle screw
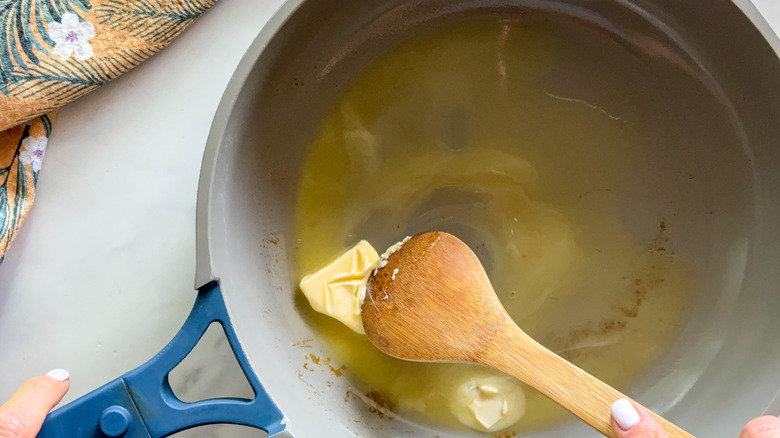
point(114, 421)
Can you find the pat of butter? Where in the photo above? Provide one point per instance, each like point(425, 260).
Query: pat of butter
point(338, 290)
point(488, 406)
point(488, 403)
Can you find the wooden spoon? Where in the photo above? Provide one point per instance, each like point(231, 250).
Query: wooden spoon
point(433, 302)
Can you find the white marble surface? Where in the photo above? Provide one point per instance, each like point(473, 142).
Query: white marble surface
point(101, 275)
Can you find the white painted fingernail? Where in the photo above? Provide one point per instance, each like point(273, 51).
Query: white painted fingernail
point(59, 375)
point(624, 414)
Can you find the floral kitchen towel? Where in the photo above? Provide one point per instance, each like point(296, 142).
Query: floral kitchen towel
point(52, 52)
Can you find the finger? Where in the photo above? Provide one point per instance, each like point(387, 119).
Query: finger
point(632, 420)
point(762, 427)
point(23, 415)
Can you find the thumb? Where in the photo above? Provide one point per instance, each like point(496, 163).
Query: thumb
point(23, 415)
point(632, 420)
point(762, 427)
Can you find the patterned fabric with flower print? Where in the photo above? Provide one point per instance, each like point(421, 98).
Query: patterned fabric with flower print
point(54, 51)
point(71, 35)
point(31, 153)
point(21, 154)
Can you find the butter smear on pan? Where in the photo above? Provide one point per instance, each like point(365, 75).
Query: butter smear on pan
point(485, 403)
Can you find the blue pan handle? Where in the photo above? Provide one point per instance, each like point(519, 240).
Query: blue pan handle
point(141, 403)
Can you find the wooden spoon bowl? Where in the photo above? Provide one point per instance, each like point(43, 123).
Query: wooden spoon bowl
point(433, 302)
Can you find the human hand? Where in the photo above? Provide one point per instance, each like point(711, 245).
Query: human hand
point(22, 416)
point(631, 420)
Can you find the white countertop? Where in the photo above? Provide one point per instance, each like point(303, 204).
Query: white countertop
point(101, 275)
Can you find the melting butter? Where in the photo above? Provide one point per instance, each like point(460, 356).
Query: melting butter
point(339, 289)
point(484, 403)
point(457, 131)
point(488, 403)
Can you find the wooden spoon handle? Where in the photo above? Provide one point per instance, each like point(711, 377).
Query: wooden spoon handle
point(587, 397)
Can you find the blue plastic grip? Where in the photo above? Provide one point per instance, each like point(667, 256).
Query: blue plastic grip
point(141, 403)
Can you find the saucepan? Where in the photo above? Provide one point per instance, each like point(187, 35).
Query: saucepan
point(716, 70)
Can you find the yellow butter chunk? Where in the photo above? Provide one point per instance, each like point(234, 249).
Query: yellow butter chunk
point(338, 290)
point(488, 403)
point(489, 406)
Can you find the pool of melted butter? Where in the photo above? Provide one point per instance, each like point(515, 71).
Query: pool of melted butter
point(470, 130)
